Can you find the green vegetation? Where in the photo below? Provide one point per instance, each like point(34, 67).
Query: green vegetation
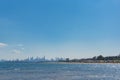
point(96, 59)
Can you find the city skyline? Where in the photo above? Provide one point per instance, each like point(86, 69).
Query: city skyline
point(59, 28)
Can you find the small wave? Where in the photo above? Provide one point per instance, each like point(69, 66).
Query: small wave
point(16, 69)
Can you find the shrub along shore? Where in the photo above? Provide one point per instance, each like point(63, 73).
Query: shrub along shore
point(95, 59)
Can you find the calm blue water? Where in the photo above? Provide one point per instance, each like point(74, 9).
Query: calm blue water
point(45, 71)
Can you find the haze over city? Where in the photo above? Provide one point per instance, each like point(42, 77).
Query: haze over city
point(59, 28)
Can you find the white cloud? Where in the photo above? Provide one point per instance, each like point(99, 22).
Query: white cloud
point(22, 48)
point(16, 51)
point(20, 45)
point(3, 44)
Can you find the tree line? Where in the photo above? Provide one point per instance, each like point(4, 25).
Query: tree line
point(95, 58)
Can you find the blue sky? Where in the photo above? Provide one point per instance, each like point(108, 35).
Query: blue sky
point(59, 28)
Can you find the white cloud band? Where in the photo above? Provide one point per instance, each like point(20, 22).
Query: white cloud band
point(3, 44)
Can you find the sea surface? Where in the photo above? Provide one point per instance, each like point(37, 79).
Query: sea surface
point(55, 71)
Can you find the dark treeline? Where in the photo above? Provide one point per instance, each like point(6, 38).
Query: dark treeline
point(100, 57)
point(96, 59)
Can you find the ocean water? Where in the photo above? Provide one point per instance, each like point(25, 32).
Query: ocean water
point(53, 71)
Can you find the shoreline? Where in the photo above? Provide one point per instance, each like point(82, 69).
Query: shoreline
point(66, 62)
point(81, 63)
